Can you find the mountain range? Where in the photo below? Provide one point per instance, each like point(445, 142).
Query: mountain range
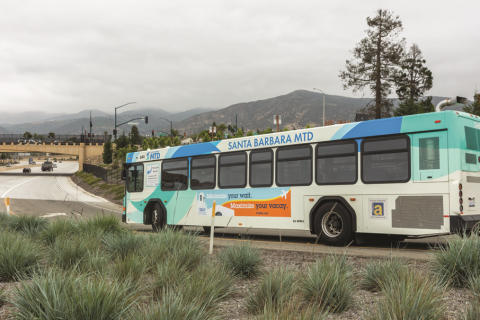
point(296, 108)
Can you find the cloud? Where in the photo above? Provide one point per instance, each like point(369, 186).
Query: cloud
point(63, 56)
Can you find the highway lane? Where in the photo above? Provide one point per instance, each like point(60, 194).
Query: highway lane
point(50, 195)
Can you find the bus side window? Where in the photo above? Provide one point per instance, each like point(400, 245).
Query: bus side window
point(386, 159)
point(135, 178)
point(174, 175)
point(294, 166)
point(336, 162)
point(261, 168)
point(233, 170)
point(202, 172)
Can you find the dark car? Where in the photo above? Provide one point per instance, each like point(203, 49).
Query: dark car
point(27, 170)
point(47, 166)
point(9, 164)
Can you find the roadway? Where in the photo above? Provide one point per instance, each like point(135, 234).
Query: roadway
point(51, 195)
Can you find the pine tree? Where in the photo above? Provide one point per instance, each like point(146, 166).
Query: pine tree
point(474, 108)
point(107, 152)
point(134, 135)
point(376, 58)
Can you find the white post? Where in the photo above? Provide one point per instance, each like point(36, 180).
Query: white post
point(8, 206)
point(212, 228)
point(324, 109)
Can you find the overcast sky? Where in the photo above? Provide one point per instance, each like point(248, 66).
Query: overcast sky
point(65, 56)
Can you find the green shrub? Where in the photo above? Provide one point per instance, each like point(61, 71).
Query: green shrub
point(102, 224)
point(458, 260)
point(67, 296)
point(243, 259)
point(123, 244)
point(19, 256)
point(183, 248)
point(27, 224)
point(128, 267)
point(329, 284)
point(410, 296)
point(376, 272)
point(60, 227)
point(116, 190)
point(168, 274)
point(95, 262)
point(93, 180)
point(276, 289)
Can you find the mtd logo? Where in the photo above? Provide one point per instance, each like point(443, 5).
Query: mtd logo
point(378, 208)
point(153, 156)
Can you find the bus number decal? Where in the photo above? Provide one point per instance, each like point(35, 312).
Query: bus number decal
point(378, 208)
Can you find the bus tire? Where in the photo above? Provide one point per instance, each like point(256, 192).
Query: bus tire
point(333, 227)
point(158, 217)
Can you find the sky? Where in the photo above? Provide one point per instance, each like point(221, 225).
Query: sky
point(66, 56)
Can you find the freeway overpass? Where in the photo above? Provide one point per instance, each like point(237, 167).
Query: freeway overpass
point(84, 151)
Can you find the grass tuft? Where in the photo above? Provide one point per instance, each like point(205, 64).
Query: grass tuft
point(243, 260)
point(472, 312)
point(377, 272)
point(276, 289)
point(31, 225)
point(68, 252)
point(129, 267)
point(19, 256)
point(458, 260)
point(410, 295)
point(103, 224)
point(329, 283)
point(58, 228)
point(123, 244)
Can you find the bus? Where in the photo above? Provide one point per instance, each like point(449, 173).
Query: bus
point(402, 177)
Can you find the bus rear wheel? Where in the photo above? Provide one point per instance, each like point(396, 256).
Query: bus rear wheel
point(157, 217)
point(333, 227)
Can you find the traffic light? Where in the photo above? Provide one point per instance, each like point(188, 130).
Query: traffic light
point(153, 133)
point(146, 119)
point(115, 132)
point(89, 134)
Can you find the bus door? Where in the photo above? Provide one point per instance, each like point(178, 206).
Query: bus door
point(430, 160)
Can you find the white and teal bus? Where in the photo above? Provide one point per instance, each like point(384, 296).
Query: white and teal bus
point(412, 176)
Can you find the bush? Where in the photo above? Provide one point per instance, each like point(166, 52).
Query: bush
point(243, 260)
point(329, 284)
point(276, 289)
point(67, 296)
point(410, 296)
point(458, 260)
point(377, 272)
point(19, 256)
point(124, 243)
point(31, 225)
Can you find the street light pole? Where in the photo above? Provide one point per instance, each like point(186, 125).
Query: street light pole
point(323, 104)
point(171, 126)
point(116, 117)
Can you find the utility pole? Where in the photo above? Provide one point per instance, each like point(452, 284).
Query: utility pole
point(323, 104)
point(115, 130)
point(236, 124)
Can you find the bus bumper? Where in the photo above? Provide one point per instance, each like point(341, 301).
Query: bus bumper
point(460, 223)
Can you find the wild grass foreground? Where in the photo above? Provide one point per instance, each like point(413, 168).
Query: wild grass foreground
point(97, 269)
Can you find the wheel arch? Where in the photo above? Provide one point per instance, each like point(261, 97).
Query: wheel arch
point(326, 199)
point(147, 215)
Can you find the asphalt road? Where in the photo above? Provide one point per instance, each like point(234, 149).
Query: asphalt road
point(54, 196)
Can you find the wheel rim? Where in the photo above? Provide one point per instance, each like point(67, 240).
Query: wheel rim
point(332, 224)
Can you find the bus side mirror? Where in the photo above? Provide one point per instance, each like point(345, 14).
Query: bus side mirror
point(124, 174)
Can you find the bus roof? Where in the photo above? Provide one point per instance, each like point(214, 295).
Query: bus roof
point(356, 130)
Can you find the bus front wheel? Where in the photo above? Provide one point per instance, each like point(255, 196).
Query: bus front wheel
point(157, 217)
point(333, 227)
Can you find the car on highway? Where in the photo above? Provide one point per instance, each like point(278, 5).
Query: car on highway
point(54, 160)
point(60, 161)
point(27, 170)
point(9, 165)
point(47, 166)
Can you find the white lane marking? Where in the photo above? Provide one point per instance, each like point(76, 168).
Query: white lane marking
point(6, 192)
point(53, 215)
point(83, 201)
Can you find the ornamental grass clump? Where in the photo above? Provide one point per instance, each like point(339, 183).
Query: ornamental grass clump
point(68, 252)
point(293, 311)
point(410, 295)
point(30, 225)
point(58, 228)
point(457, 261)
point(123, 244)
point(182, 247)
point(472, 311)
point(276, 289)
point(130, 267)
point(168, 275)
point(329, 283)
point(58, 295)
point(19, 256)
point(102, 224)
point(376, 272)
point(243, 260)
